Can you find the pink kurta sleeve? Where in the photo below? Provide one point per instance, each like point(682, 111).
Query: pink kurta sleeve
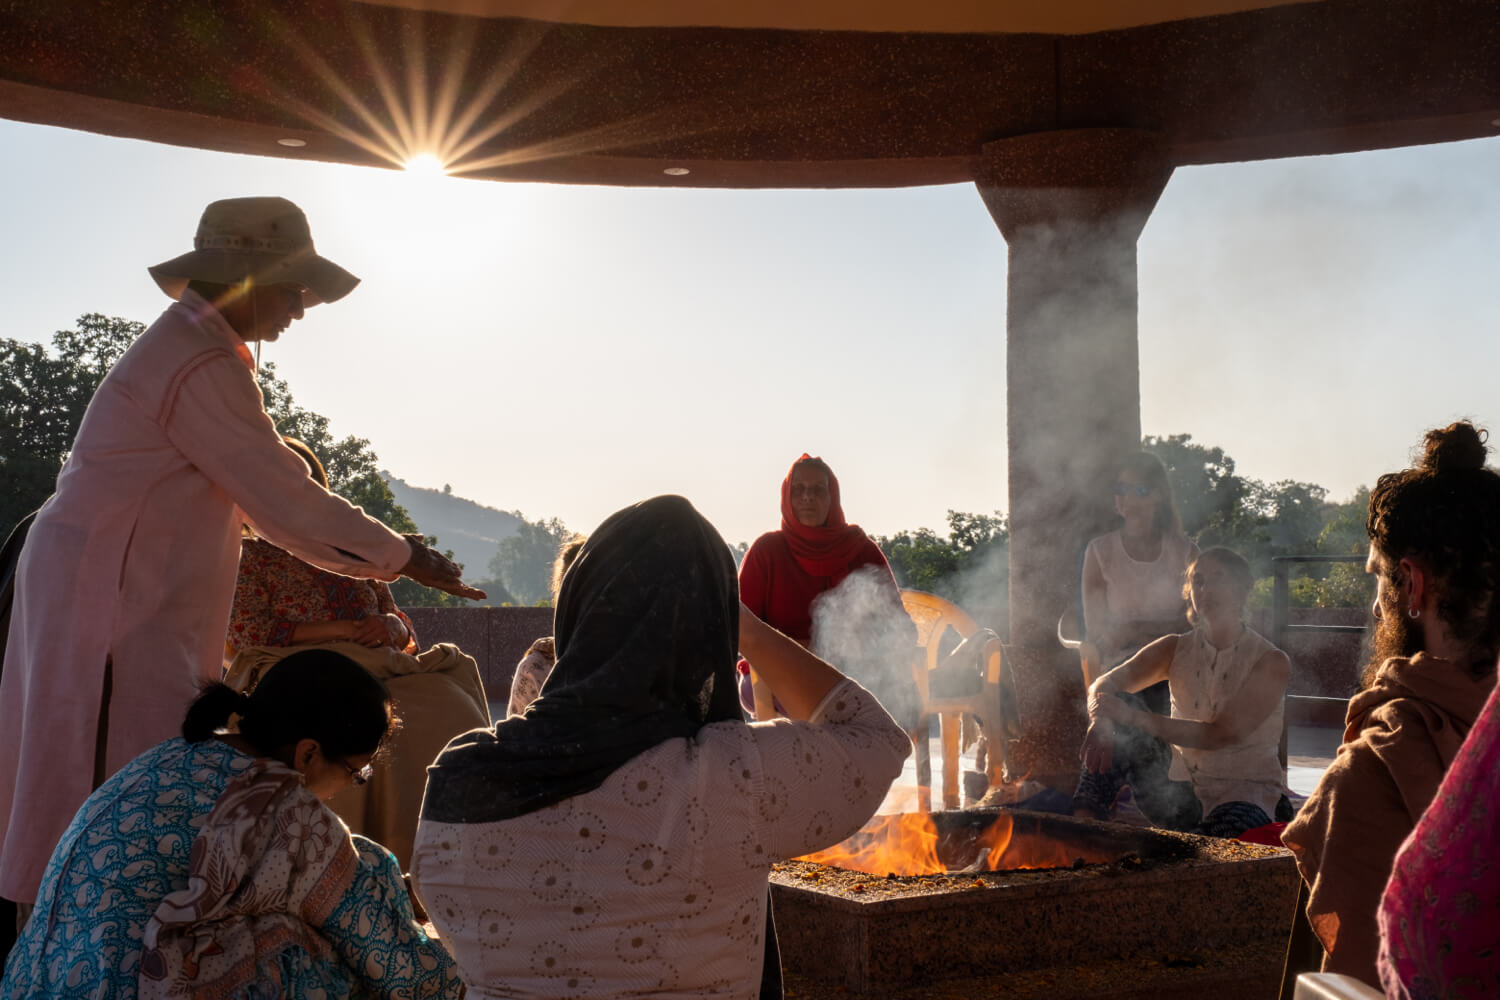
point(214, 415)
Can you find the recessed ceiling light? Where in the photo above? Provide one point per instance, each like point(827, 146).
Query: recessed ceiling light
point(677, 171)
point(293, 143)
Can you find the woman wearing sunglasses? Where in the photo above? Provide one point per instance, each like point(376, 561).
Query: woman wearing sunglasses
point(1132, 577)
point(209, 865)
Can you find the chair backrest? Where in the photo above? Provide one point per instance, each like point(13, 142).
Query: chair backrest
point(933, 616)
point(993, 703)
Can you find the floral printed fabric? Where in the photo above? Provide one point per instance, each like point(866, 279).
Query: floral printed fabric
point(531, 673)
point(1439, 932)
point(276, 592)
point(330, 918)
point(100, 887)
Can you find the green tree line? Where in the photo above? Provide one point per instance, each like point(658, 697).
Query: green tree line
point(1218, 506)
point(44, 392)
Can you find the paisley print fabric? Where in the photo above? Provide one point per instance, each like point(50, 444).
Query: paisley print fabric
point(198, 871)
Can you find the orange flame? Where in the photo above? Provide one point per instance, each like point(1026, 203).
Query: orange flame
point(895, 843)
point(909, 844)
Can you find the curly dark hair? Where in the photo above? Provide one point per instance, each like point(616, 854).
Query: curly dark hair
point(1445, 513)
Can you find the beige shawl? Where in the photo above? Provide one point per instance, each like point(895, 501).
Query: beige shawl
point(1402, 733)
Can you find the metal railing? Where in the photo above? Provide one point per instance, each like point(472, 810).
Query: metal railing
point(1281, 597)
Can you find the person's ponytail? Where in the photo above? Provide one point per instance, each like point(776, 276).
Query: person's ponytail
point(313, 694)
point(211, 710)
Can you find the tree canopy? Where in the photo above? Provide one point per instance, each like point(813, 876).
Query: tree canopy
point(43, 395)
point(523, 562)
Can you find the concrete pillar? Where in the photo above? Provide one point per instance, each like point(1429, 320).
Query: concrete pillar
point(1070, 205)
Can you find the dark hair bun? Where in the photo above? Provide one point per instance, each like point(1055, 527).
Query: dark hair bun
point(1456, 448)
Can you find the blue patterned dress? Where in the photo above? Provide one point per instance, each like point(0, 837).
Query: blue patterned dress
point(130, 846)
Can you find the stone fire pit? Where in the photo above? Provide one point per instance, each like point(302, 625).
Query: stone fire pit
point(1149, 905)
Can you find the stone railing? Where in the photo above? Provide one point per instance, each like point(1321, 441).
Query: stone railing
point(1323, 664)
point(496, 637)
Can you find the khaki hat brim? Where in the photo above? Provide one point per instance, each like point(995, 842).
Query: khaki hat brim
point(321, 279)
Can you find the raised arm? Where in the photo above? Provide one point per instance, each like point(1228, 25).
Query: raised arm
point(798, 679)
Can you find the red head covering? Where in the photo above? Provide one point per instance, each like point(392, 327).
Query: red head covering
point(831, 548)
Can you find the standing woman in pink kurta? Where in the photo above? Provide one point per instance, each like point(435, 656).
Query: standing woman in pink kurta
point(124, 586)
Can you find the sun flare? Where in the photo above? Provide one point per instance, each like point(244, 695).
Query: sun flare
point(425, 165)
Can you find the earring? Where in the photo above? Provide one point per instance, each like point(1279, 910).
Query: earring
point(1414, 613)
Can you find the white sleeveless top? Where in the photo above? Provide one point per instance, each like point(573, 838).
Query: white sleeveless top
point(1143, 591)
point(1202, 680)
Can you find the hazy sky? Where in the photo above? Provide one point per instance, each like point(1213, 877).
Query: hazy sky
point(566, 350)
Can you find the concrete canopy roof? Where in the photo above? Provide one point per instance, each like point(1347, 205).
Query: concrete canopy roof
point(785, 93)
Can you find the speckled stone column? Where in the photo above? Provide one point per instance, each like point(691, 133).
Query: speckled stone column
point(1071, 205)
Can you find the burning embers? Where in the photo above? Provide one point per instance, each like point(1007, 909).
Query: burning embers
point(950, 842)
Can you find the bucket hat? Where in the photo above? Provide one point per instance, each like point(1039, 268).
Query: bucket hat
point(262, 238)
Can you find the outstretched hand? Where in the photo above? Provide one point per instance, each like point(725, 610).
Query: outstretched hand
point(431, 568)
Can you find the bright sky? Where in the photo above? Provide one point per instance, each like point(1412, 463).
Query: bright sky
point(566, 350)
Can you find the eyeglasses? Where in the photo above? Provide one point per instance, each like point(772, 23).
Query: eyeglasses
point(1132, 490)
point(358, 775)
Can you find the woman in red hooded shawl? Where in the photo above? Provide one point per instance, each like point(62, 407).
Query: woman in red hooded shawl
point(785, 572)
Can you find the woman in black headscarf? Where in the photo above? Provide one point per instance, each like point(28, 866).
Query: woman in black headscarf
point(616, 839)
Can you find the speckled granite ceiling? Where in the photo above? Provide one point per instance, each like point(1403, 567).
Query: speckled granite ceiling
point(739, 107)
point(1065, 17)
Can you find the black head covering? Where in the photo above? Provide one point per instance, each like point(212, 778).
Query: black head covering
point(647, 631)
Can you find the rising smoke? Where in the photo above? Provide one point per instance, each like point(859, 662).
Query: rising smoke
point(861, 628)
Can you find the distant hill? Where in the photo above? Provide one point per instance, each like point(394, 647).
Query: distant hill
point(471, 530)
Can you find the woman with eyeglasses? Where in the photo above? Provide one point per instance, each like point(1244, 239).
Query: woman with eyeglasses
point(1132, 577)
point(785, 574)
point(210, 866)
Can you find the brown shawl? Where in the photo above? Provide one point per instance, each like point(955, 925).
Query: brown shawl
point(438, 695)
point(268, 867)
point(1401, 734)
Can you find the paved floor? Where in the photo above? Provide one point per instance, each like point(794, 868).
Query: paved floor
point(1309, 751)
